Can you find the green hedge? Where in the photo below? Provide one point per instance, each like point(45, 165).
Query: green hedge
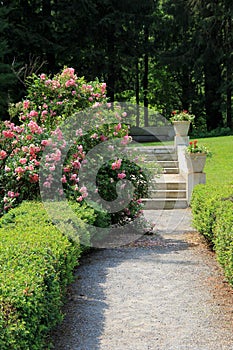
point(223, 241)
point(205, 201)
point(36, 264)
point(212, 211)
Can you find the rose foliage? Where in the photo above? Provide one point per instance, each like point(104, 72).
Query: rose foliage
point(44, 141)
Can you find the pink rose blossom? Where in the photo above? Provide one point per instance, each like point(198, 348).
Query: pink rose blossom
point(121, 176)
point(94, 136)
point(42, 76)
point(116, 164)
point(25, 149)
point(34, 178)
point(19, 170)
point(3, 154)
point(47, 184)
point(103, 138)
point(12, 194)
point(118, 127)
point(44, 142)
point(79, 132)
point(26, 104)
point(33, 114)
point(7, 169)
point(63, 179)
point(103, 87)
point(83, 189)
point(23, 161)
point(8, 134)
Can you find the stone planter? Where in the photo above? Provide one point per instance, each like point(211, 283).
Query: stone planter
point(195, 162)
point(181, 127)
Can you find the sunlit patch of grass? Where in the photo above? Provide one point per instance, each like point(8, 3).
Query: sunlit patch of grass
point(219, 168)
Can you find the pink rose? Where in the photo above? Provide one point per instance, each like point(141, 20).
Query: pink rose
point(42, 76)
point(3, 154)
point(121, 176)
point(26, 104)
point(23, 161)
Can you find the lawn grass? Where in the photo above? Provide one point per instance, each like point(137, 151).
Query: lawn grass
point(219, 168)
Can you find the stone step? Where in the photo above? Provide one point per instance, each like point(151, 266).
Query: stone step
point(168, 186)
point(168, 163)
point(170, 171)
point(169, 190)
point(167, 193)
point(169, 181)
point(156, 153)
point(162, 163)
point(157, 203)
point(155, 149)
point(174, 170)
point(160, 157)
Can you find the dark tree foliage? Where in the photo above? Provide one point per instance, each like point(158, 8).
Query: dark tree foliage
point(159, 53)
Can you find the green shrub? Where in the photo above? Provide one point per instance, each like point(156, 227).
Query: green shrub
point(223, 237)
point(37, 263)
point(212, 210)
point(204, 203)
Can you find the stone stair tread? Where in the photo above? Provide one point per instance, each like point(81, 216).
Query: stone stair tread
point(168, 191)
point(170, 178)
point(170, 170)
point(164, 203)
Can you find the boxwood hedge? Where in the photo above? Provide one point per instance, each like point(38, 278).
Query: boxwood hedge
point(212, 211)
point(36, 264)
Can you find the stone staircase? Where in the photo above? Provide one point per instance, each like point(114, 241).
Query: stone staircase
point(168, 191)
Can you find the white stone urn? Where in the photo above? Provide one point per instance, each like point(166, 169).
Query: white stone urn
point(181, 127)
point(195, 162)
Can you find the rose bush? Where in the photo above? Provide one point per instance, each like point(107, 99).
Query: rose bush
point(49, 102)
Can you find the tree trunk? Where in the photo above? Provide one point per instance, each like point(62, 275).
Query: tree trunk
point(47, 15)
point(229, 74)
point(137, 95)
point(229, 97)
point(111, 63)
point(213, 100)
point(145, 79)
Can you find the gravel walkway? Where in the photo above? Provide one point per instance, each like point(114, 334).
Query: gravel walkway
point(164, 292)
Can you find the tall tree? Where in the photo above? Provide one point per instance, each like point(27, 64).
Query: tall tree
point(7, 78)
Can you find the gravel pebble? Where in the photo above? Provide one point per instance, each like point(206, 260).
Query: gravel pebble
point(156, 293)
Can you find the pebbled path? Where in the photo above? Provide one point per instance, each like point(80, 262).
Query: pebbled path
point(163, 292)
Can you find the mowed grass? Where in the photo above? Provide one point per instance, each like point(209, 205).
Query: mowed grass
point(219, 168)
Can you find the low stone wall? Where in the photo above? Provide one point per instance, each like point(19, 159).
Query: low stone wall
point(152, 133)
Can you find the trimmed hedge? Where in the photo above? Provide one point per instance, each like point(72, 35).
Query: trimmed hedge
point(212, 211)
point(36, 264)
point(223, 237)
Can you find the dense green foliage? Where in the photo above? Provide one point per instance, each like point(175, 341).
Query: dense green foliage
point(223, 240)
point(205, 201)
point(162, 54)
point(37, 263)
point(212, 206)
point(212, 210)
